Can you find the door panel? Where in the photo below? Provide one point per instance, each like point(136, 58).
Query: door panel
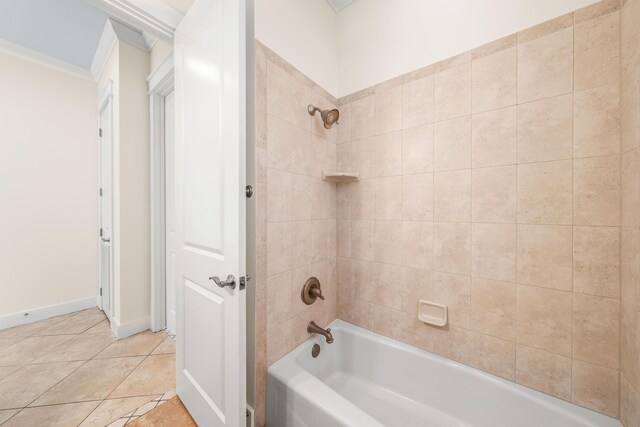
point(210, 211)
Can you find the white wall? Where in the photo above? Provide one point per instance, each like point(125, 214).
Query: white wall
point(127, 69)
point(305, 33)
point(382, 39)
point(48, 180)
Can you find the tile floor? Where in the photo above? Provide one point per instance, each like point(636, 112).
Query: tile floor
point(70, 371)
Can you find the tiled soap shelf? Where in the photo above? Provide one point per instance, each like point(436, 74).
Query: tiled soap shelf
point(432, 313)
point(340, 176)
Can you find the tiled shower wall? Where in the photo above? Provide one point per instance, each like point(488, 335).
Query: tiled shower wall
point(630, 261)
point(490, 182)
point(295, 212)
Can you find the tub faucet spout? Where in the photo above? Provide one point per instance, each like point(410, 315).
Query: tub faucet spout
point(312, 328)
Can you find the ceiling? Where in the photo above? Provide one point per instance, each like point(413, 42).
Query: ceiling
point(68, 30)
point(338, 5)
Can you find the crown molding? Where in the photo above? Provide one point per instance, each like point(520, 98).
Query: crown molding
point(150, 16)
point(35, 56)
point(114, 31)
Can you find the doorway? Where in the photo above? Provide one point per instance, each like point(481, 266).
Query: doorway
point(170, 252)
point(162, 109)
point(105, 201)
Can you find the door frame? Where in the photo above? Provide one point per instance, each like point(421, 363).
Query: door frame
point(105, 100)
point(161, 84)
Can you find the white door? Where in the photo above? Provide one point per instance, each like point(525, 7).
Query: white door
point(210, 216)
point(170, 231)
point(106, 204)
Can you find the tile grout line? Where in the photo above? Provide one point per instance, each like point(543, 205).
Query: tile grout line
point(125, 378)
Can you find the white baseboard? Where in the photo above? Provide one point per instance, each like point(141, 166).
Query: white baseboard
point(41, 313)
point(133, 327)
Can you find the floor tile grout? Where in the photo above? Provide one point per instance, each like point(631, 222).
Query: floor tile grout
point(153, 397)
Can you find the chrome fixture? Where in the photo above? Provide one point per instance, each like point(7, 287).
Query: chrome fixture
point(230, 282)
point(329, 117)
point(312, 328)
point(311, 290)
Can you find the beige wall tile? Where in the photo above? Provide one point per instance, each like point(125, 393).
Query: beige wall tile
point(545, 66)
point(279, 100)
point(630, 111)
point(596, 191)
point(452, 247)
point(452, 196)
point(545, 193)
point(596, 10)
point(597, 122)
point(279, 341)
point(386, 280)
point(452, 92)
point(278, 299)
point(362, 157)
point(301, 151)
point(630, 189)
point(362, 119)
point(454, 292)
point(301, 243)
point(596, 326)
point(452, 144)
point(595, 387)
point(344, 124)
point(493, 308)
point(279, 140)
point(547, 372)
point(387, 154)
point(388, 198)
point(344, 237)
point(388, 242)
point(300, 98)
point(301, 197)
point(543, 319)
point(493, 138)
point(362, 280)
point(494, 81)
point(417, 102)
point(278, 247)
point(388, 321)
point(545, 129)
point(493, 355)
point(417, 284)
point(417, 197)
point(417, 244)
point(629, 403)
point(388, 110)
point(493, 194)
point(596, 261)
point(493, 251)
point(630, 343)
point(597, 52)
point(362, 239)
point(417, 150)
point(545, 256)
point(362, 199)
point(344, 161)
point(629, 37)
point(419, 334)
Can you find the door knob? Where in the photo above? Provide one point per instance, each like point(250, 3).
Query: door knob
point(230, 282)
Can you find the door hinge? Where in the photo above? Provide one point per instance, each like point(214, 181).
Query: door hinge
point(100, 133)
point(101, 192)
point(100, 291)
point(101, 232)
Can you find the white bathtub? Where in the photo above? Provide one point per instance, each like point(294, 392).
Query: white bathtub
point(365, 379)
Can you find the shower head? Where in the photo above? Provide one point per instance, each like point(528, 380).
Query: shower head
point(329, 117)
